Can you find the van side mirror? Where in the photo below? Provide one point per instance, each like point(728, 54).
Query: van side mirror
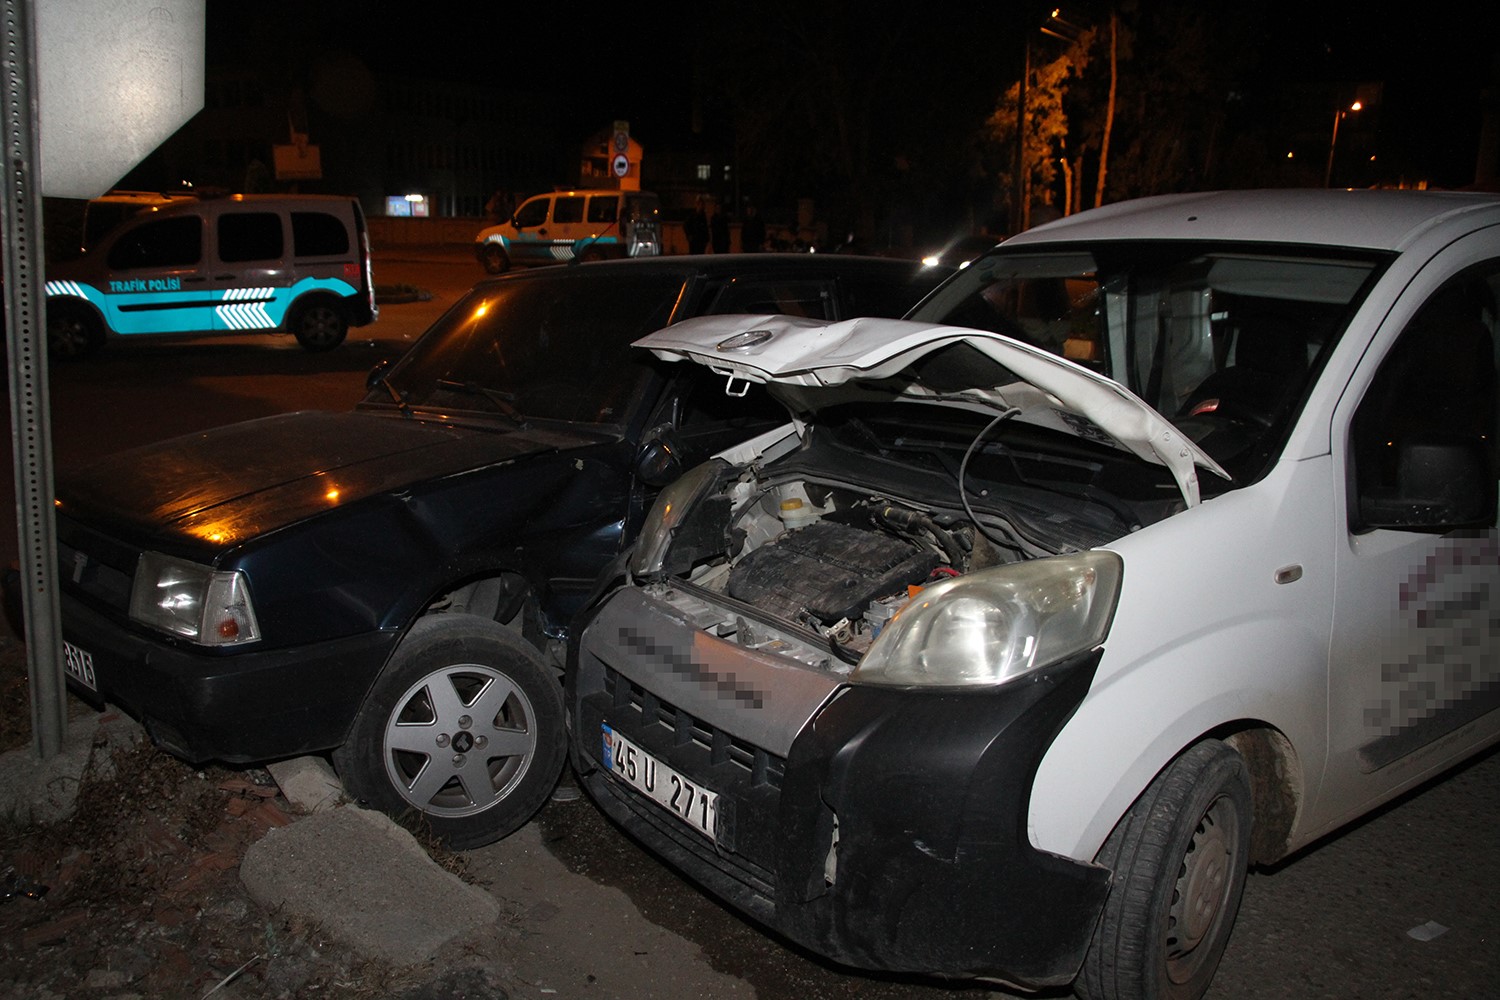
point(659, 461)
point(1441, 485)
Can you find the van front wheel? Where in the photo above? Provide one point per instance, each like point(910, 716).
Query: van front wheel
point(1179, 860)
point(494, 259)
point(320, 325)
point(73, 331)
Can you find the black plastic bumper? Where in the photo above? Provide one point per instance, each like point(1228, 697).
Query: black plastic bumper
point(236, 707)
point(897, 839)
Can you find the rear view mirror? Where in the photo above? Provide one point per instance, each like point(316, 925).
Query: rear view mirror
point(659, 461)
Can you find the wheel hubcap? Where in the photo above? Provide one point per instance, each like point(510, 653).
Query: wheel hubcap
point(459, 740)
point(1200, 897)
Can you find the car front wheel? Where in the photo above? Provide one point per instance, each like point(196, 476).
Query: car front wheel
point(464, 727)
point(1179, 858)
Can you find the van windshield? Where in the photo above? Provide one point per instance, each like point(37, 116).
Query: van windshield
point(1224, 341)
point(551, 347)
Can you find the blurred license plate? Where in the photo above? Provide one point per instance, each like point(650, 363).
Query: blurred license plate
point(696, 806)
point(79, 663)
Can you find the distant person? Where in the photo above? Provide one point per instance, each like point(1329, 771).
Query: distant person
point(718, 228)
point(752, 231)
point(695, 228)
point(499, 207)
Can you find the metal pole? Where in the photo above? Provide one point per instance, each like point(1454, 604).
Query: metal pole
point(30, 411)
point(1332, 144)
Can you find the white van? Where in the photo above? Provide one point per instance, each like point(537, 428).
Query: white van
point(573, 225)
point(1157, 543)
point(296, 264)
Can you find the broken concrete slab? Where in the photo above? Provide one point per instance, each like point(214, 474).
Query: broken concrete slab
point(308, 783)
point(367, 882)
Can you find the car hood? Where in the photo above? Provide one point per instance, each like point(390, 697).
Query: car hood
point(1044, 388)
point(229, 484)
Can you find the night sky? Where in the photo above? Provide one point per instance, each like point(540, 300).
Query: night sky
point(636, 61)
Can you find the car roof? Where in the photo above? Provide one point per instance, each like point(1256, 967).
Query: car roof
point(1374, 220)
point(729, 265)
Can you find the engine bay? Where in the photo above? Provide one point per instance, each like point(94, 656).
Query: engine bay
point(826, 561)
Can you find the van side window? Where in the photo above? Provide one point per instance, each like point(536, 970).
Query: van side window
point(568, 210)
point(533, 213)
point(604, 208)
point(174, 242)
point(250, 236)
point(318, 234)
point(1434, 396)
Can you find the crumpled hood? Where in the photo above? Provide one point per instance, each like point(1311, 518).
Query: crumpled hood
point(231, 483)
point(1048, 390)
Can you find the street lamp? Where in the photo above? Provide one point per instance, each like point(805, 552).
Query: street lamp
point(1338, 116)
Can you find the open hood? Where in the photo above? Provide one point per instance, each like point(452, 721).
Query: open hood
point(1003, 374)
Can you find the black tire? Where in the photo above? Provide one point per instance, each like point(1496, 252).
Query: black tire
point(591, 254)
point(494, 259)
point(73, 331)
point(320, 325)
point(1179, 858)
point(430, 738)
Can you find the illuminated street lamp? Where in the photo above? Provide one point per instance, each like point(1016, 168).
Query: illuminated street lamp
point(1338, 116)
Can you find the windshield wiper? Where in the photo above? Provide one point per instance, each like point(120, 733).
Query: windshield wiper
point(504, 401)
point(400, 397)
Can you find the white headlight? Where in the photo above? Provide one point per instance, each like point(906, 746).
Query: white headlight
point(209, 607)
point(997, 624)
point(667, 514)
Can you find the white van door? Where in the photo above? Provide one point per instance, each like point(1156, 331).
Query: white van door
point(1415, 659)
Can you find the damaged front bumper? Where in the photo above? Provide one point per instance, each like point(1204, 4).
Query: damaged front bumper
point(883, 828)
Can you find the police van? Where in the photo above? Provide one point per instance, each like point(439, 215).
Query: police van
point(296, 264)
point(573, 225)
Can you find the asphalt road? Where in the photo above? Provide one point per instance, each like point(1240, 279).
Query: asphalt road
point(1332, 923)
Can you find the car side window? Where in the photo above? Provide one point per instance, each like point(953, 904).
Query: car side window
point(809, 299)
point(604, 208)
point(533, 213)
point(245, 236)
point(318, 234)
point(176, 242)
point(1423, 437)
point(567, 210)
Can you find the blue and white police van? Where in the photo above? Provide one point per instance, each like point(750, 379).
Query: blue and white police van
point(297, 264)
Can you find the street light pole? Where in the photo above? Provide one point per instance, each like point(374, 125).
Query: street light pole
point(1338, 116)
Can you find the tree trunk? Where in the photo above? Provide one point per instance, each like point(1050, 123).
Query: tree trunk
point(1109, 111)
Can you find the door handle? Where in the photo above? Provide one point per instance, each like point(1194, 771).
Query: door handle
point(194, 279)
point(225, 277)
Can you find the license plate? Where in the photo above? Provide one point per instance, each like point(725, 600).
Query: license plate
point(79, 663)
point(694, 805)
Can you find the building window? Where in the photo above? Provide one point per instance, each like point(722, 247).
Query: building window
point(705, 171)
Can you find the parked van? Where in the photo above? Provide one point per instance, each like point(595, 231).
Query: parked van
point(568, 225)
point(296, 264)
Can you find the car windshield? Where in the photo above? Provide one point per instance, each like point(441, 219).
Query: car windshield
point(552, 347)
point(1224, 341)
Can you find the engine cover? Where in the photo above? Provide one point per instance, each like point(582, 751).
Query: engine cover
point(830, 570)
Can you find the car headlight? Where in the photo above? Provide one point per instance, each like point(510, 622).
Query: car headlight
point(184, 598)
point(997, 624)
point(668, 513)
